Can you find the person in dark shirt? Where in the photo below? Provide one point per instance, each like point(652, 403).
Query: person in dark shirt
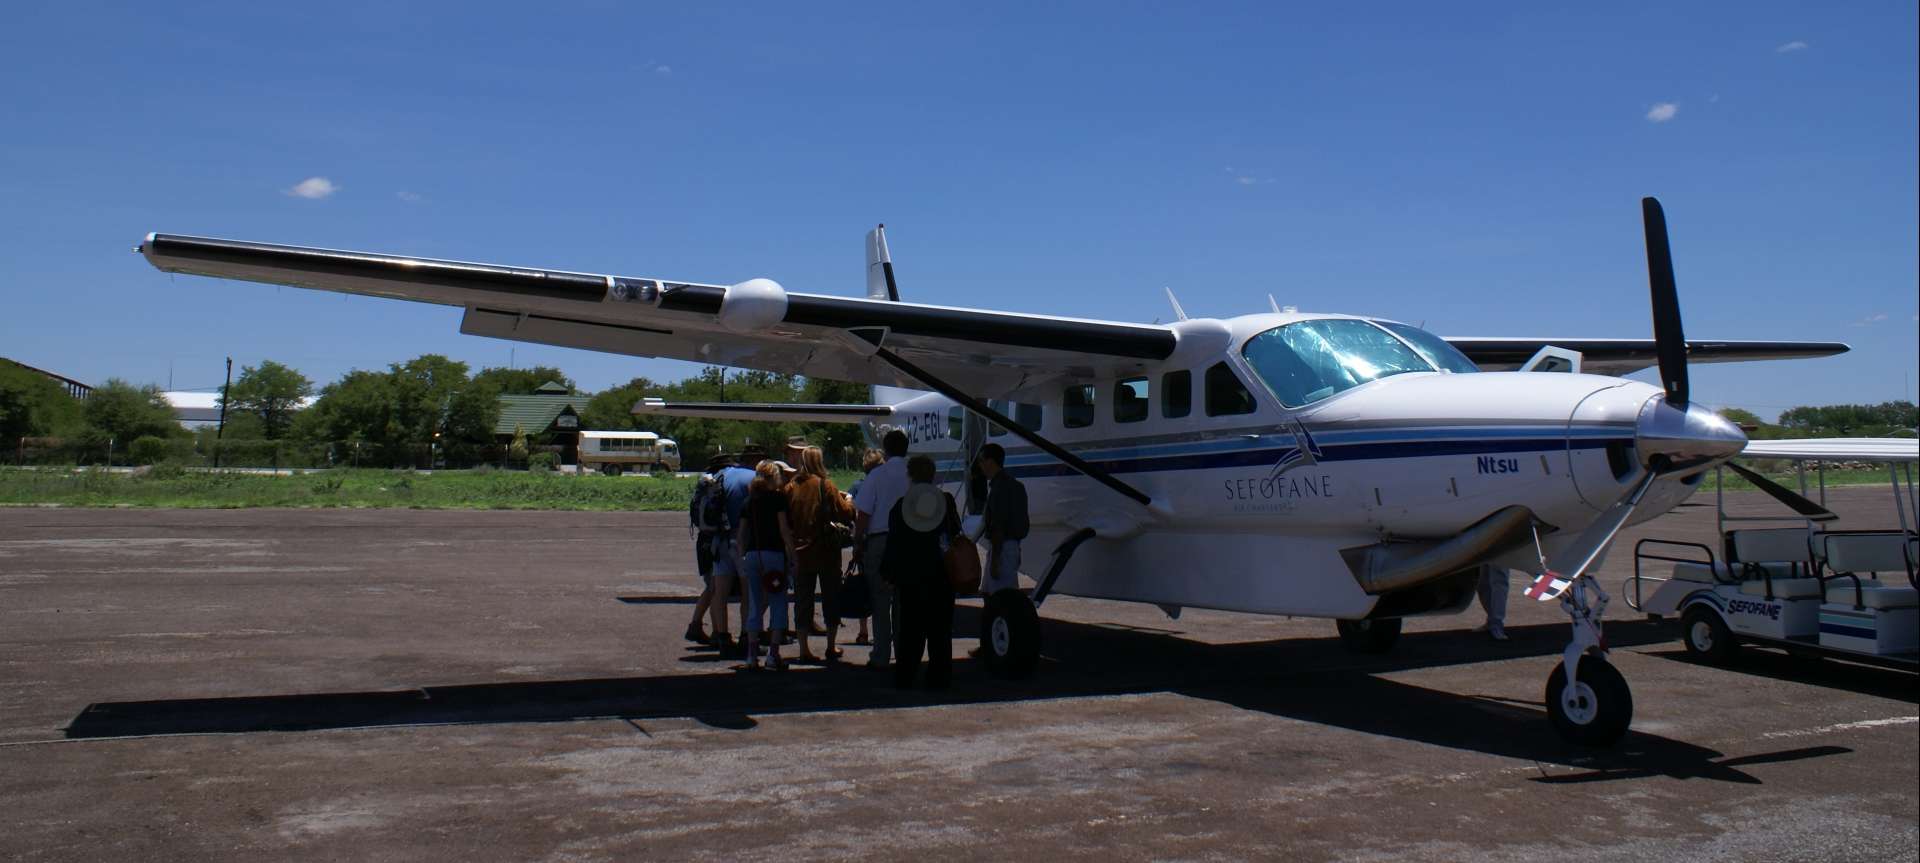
point(765, 539)
point(702, 528)
point(1006, 521)
point(919, 528)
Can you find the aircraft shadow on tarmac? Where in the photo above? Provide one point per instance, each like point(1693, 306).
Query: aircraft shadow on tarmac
point(1332, 687)
point(1888, 683)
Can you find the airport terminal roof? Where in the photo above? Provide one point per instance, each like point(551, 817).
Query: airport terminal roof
point(535, 413)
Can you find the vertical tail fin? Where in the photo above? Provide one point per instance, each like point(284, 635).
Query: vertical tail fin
point(880, 284)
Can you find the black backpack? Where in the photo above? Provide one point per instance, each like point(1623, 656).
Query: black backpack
point(713, 506)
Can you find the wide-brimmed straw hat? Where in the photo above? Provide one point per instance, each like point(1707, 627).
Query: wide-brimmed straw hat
point(924, 507)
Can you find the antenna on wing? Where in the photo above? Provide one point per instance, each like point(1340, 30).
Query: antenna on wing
point(880, 284)
point(1178, 313)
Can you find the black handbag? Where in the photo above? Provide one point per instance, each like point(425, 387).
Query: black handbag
point(855, 602)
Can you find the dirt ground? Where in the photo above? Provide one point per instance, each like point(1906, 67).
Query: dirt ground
point(402, 685)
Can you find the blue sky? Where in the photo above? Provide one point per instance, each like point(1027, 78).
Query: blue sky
point(1473, 167)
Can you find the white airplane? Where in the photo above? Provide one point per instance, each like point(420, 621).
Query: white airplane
point(1284, 463)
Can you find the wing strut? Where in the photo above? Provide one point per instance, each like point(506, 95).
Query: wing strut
point(1020, 431)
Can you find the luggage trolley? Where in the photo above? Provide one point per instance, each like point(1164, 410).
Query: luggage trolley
point(1845, 594)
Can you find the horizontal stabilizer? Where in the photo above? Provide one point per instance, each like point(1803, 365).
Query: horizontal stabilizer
point(763, 411)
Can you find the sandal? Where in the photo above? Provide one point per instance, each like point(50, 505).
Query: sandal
point(835, 653)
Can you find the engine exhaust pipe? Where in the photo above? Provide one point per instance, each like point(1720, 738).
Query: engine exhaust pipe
point(1389, 566)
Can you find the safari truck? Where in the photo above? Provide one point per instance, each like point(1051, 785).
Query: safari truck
point(1844, 594)
point(617, 452)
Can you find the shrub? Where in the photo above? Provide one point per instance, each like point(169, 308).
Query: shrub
point(147, 449)
point(543, 461)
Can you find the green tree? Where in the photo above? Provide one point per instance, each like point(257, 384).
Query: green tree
point(840, 441)
point(272, 392)
point(120, 411)
point(612, 409)
point(32, 405)
point(356, 409)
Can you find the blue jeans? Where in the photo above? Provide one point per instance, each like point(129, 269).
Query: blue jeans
point(759, 599)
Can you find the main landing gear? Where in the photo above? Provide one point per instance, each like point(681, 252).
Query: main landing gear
point(1587, 699)
point(1010, 622)
point(1010, 634)
point(1369, 636)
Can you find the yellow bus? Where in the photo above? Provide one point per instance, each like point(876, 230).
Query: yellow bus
point(616, 452)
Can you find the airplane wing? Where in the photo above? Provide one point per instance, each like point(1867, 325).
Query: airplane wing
point(771, 412)
point(755, 324)
point(1624, 356)
point(1867, 449)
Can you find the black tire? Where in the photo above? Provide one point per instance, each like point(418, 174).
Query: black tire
point(1369, 636)
point(610, 470)
point(1603, 705)
point(1010, 634)
point(1706, 636)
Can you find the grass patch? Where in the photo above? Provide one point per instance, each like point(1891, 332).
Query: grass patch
point(345, 488)
point(171, 486)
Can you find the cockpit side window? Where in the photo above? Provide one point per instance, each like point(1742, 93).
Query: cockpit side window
point(1306, 361)
point(1437, 350)
point(1226, 395)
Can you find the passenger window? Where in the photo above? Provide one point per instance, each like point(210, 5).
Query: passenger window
point(1077, 406)
point(1028, 416)
point(1176, 394)
point(956, 422)
point(1130, 401)
point(1226, 395)
point(994, 429)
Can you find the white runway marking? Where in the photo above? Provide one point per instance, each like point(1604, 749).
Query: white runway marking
point(1845, 726)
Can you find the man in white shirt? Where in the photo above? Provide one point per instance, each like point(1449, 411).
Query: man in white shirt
point(878, 493)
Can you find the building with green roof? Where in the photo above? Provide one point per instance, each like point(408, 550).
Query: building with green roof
point(552, 411)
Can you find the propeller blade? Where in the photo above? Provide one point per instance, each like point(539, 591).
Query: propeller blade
point(1792, 499)
point(1670, 343)
point(1592, 541)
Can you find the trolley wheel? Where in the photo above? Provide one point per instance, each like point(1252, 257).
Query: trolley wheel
point(1369, 636)
point(1010, 634)
point(1596, 709)
point(1706, 636)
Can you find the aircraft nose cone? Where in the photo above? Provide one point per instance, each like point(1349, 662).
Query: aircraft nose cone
point(1684, 437)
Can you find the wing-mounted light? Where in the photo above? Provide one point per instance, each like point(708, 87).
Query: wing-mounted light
point(753, 305)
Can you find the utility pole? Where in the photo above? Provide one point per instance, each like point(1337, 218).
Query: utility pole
point(221, 432)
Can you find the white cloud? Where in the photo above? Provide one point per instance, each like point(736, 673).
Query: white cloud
point(663, 69)
point(1247, 181)
point(313, 188)
point(1870, 320)
point(1662, 112)
point(1790, 47)
point(409, 197)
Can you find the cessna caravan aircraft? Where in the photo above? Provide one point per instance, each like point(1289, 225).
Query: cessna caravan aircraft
point(1289, 463)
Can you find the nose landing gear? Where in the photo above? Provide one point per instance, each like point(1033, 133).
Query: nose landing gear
point(1587, 698)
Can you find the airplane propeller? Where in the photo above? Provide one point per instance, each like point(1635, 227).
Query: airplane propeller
point(1672, 436)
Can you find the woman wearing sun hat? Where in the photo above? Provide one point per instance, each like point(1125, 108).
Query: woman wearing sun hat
point(918, 530)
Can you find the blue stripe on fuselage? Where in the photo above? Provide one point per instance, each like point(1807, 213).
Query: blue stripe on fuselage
point(1209, 455)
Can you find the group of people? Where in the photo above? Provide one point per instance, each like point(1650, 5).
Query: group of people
point(776, 531)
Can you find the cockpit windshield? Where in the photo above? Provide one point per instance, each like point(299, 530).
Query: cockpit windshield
point(1307, 361)
point(1438, 351)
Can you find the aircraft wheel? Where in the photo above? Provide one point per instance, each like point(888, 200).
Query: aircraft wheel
point(1010, 634)
point(1596, 709)
point(1707, 637)
point(1369, 636)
